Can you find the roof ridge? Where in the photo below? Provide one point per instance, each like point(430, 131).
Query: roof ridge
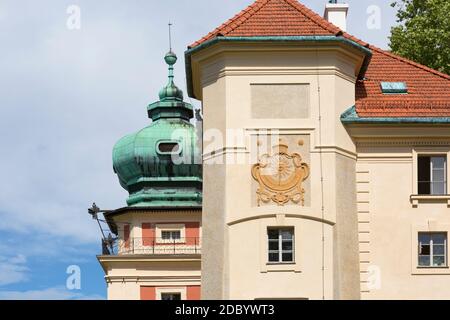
point(395, 56)
point(245, 14)
point(313, 16)
point(254, 7)
point(241, 18)
point(410, 62)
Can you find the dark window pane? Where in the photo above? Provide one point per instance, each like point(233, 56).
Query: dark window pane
point(287, 245)
point(165, 235)
point(438, 261)
point(439, 238)
point(424, 238)
point(287, 257)
point(286, 234)
point(273, 234)
point(176, 235)
point(273, 245)
point(170, 296)
point(438, 249)
point(169, 147)
point(424, 188)
point(424, 175)
point(424, 261)
point(273, 257)
point(424, 249)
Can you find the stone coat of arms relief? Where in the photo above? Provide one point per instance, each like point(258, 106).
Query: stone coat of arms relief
point(280, 177)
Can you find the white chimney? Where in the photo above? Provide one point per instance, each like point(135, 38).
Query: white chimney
point(336, 13)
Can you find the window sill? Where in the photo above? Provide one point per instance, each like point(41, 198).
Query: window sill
point(280, 263)
point(169, 242)
point(431, 271)
point(281, 267)
point(416, 199)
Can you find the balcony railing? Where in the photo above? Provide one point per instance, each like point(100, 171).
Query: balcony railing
point(154, 246)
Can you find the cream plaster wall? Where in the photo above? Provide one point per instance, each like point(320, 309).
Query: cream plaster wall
point(388, 220)
point(125, 275)
point(251, 277)
point(226, 74)
point(125, 278)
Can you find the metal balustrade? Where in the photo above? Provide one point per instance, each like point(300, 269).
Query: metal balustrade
point(154, 246)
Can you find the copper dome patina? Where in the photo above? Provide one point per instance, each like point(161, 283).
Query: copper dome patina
point(160, 165)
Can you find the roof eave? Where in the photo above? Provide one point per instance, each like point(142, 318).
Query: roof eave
point(110, 215)
point(350, 116)
point(188, 53)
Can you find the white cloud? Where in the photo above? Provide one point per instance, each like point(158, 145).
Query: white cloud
point(13, 270)
point(54, 293)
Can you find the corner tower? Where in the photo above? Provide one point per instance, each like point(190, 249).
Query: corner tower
point(280, 193)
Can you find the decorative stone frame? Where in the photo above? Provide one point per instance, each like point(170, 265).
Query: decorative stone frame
point(432, 226)
point(265, 265)
point(159, 228)
point(415, 197)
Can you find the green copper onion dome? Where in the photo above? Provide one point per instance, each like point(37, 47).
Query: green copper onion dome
point(160, 165)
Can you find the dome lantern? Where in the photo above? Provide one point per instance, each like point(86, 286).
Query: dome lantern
point(170, 104)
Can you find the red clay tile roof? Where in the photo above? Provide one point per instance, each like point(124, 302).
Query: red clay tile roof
point(428, 90)
point(273, 18)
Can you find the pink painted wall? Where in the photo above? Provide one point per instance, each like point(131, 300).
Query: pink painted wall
point(148, 293)
point(193, 292)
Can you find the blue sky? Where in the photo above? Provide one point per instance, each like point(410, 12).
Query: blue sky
point(66, 96)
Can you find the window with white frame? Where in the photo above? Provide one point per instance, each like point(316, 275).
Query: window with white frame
point(432, 249)
point(432, 175)
point(171, 235)
point(281, 245)
point(168, 296)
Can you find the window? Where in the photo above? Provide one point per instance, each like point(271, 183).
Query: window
point(168, 148)
point(281, 245)
point(170, 296)
point(171, 235)
point(394, 87)
point(432, 175)
point(432, 249)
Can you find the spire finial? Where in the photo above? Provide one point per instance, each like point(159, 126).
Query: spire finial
point(170, 36)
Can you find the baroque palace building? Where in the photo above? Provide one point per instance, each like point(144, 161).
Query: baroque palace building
point(318, 171)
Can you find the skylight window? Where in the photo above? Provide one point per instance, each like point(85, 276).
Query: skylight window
point(394, 87)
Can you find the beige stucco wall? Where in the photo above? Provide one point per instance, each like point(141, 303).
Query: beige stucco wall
point(388, 220)
point(126, 275)
point(226, 75)
point(346, 231)
point(252, 278)
point(215, 246)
